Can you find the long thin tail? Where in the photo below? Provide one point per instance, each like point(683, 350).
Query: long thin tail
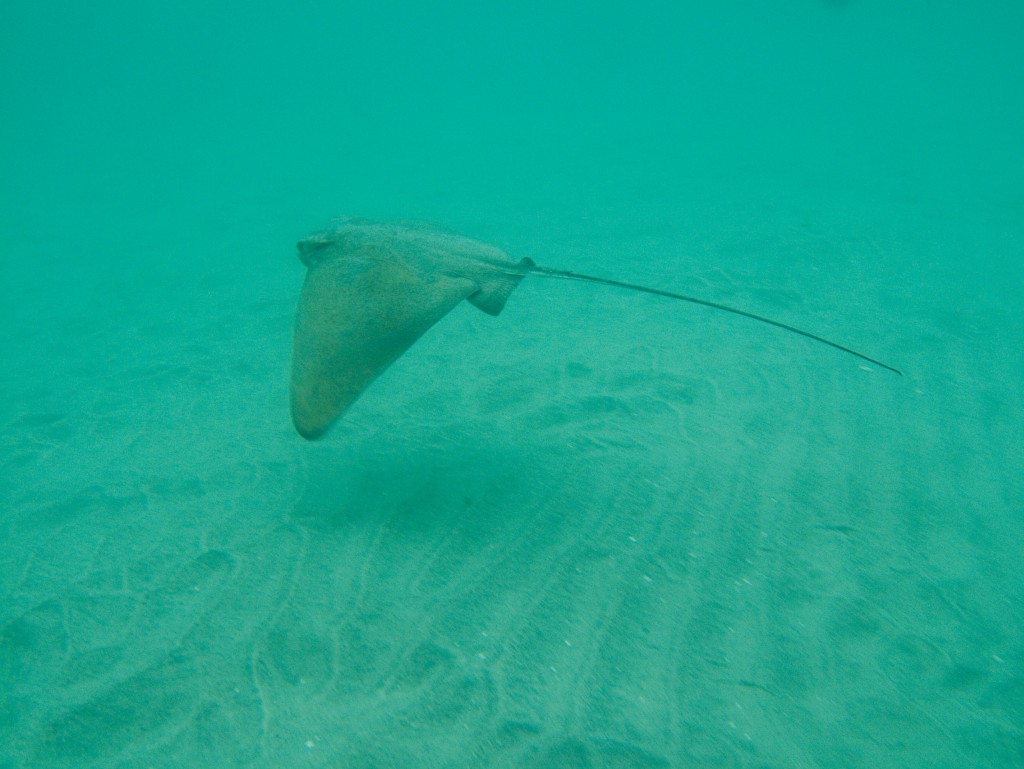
point(534, 267)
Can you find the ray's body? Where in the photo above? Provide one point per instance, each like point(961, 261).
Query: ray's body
point(372, 289)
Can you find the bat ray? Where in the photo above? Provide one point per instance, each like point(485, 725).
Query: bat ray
point(373, 288)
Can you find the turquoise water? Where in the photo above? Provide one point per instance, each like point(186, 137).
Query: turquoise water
point(600, 530)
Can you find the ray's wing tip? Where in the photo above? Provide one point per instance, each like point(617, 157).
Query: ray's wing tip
point(308, 425)
point(310, 434)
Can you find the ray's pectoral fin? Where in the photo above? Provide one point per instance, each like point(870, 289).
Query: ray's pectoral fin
point(356, 317)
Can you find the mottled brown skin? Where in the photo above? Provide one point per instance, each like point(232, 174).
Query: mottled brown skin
point(370, 292)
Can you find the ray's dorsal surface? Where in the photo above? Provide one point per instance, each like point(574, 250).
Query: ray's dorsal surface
point(373, 288)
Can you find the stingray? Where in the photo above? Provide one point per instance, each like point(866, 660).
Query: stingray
point(373, 288)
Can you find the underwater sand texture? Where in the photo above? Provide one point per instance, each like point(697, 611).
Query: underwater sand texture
point(656, 538)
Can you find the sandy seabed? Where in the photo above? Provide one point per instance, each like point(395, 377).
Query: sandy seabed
point(601, 530)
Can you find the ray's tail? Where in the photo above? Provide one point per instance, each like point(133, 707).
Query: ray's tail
point(567, 275)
